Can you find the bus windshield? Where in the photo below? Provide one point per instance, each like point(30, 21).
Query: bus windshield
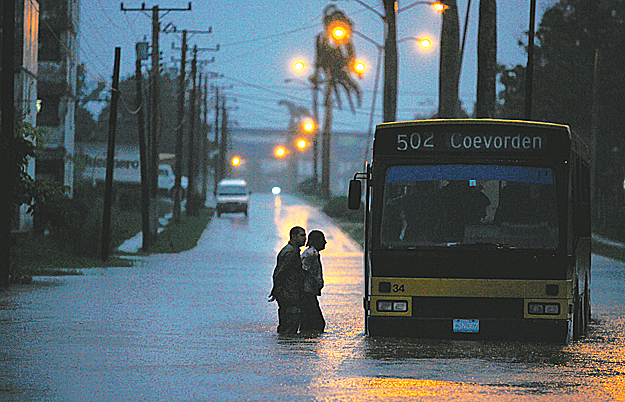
point(449, 205)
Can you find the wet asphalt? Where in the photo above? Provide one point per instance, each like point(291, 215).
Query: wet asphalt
point(196, 326)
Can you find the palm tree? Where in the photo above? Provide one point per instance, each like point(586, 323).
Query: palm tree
point(486, 59)
point(334, 61)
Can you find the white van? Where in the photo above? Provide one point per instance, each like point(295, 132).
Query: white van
point(232, 195)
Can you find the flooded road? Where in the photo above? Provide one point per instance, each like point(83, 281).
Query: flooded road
point(197, 327)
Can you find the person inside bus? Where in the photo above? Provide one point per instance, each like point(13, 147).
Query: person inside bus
point(392, 221)
point(462, 203)
point(312, 317)
point(288, 283)
point(526, 204)
point(418, 211)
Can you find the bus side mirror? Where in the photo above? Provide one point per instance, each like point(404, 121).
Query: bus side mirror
point(355, 194)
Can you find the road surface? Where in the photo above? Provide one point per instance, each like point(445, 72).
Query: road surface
point(196, 326)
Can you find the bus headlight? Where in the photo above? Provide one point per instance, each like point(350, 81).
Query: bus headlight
point(387, 306)
point(543, 308)
point(400, 306)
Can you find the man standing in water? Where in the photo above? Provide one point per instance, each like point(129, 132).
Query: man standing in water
point(288, 283)
point(312, 318)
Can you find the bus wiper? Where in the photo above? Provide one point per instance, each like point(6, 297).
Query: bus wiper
point(484, 245)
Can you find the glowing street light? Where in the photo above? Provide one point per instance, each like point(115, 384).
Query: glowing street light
point(440, 7)
point(280, 152)
point(236, 161)
point(299, 66)
point(301, 143)
point(339, 32)
point(423, 42)
point(309, 126)
point(359, 68)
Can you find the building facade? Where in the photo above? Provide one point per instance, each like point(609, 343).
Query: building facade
point(25, 73)
point(56, 96)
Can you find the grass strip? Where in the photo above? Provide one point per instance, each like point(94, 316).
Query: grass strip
point(37, 256)
point(608, 250)
point(183, 236)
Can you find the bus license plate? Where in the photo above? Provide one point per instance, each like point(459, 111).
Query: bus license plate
point(468, 326)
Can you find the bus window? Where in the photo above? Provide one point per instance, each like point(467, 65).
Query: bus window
point(442, 205)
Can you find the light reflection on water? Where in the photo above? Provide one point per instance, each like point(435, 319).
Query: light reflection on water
point(349, 365)
point(353, 366)
point(197, 326)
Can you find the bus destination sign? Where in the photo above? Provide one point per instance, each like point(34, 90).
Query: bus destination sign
point(487, 142)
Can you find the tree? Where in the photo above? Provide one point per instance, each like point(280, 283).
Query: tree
point(449, 72)
point(334, 61)
point(570, 36)
point(486, 59)
point(25, 189)
point(86, 126)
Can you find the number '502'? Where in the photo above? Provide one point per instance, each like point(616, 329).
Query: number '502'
point(414, 141)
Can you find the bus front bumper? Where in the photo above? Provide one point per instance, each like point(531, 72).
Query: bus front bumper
point(535, 330)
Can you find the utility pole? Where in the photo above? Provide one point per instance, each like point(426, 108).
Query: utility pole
point(171, 28)
point(110, 160)
point(529, 74)
point(142, 54)
point(223, 145)
point(217, 162)
point(315, 135)
point(205, 143)
point(390, 62)
point(155, 73)
point(7, 178)
point(192, 207)
point(154, 112)
point(180, 130)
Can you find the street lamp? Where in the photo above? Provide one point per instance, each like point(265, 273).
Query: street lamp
point(280, 152)
point(424, 42)
point(299, 66)
point(390, 49)
point(236, 161)
point(310, 126)
point(301, 144)
point(359, 68)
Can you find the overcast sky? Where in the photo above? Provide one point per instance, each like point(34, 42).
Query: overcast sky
point(260, 39)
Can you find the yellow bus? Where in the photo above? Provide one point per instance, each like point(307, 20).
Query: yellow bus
point(476, 229)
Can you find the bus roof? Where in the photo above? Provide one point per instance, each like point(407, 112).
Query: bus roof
point(520, 123)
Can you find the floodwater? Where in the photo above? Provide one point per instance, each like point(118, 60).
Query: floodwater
point(196, 326)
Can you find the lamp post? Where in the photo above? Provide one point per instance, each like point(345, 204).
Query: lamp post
point(300, 66)
point(390, 50)
point(423, 42)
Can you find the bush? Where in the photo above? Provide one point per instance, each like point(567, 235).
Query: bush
point(336, 207)
point(195, 203)
point(75, 224)
point(309, 186)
